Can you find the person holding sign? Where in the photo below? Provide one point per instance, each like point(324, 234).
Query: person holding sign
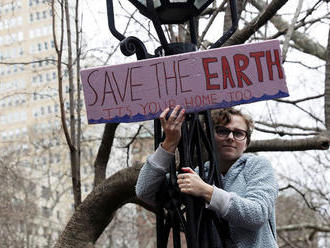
point(247, 200)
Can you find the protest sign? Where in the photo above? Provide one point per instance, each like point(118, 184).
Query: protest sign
point(197, 81)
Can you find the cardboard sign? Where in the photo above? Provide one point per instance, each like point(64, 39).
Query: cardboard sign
point(197, 81)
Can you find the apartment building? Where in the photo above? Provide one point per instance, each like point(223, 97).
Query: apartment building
point(30, 127)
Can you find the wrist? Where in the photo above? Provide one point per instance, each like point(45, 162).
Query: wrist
point(168, 146)
point(207, 192)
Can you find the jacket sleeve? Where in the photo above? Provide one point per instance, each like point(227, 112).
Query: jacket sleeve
point(152, 175)
point(257, 205)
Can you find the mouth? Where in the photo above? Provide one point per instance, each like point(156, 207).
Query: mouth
point(228, 146)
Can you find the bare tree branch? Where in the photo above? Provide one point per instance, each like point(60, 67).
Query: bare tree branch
point(302, 109)
point(276, 125)
point(266, 14)
point(103, 153)
point(307, 45)
point(300, 226)
point(210, 22)
point(272, 145)
point(290, 31)
point(327, 87)
point(283, 133)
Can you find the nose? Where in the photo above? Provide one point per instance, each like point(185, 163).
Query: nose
point(230, 135)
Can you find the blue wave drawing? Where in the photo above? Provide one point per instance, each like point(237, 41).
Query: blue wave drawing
point(224, 104)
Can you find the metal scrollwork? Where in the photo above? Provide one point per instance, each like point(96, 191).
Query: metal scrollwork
point(132, 45)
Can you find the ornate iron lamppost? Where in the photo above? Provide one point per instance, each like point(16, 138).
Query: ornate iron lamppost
point(176, 211)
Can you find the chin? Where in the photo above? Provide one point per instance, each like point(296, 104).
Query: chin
point(227, 156)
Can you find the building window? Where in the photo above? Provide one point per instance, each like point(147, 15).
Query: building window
point(45, 192)
point(45, 212)
point(56, 108)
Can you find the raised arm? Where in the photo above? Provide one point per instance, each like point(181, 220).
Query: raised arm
point(153, 171)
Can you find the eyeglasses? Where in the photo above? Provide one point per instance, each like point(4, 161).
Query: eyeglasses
point(238, 134)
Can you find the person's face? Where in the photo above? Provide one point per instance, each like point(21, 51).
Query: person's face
point(229, 148)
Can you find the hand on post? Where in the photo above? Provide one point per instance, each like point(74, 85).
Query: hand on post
point(190, 183)
point(172, 127)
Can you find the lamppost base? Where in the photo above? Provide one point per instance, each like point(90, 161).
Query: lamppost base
point(176, 48)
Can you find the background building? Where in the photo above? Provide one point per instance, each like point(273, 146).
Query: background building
point(30, 129)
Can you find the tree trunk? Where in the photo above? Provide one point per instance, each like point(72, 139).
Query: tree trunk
point(327, 87)
point(97, 210)
point(102, 158)
point(244, 34)
point(240, 4)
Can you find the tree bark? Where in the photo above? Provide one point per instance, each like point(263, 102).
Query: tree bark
point(74, 152)
point(240, 5)
point(244, 34)
point(102, 158)
point(298, 227)
point(327, 87)
point(274, 145)
point(97, 210)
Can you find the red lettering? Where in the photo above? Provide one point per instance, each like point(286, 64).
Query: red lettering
point(153, 107)
point(257, 56)
point(199, 99)
point(226, 73)
point(119, 111)
point(247, 94)
point(231, 94)
point(128, 109)
point(213, 98)
point(240, 68)
point(206, 99)
point(171, 103)
point(239, 96)
point(144, 107)
point(108, 111)
point(270, 64)
point(208, 76)
point(189, 103)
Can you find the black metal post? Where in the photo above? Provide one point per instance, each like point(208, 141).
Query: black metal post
point(176, 211)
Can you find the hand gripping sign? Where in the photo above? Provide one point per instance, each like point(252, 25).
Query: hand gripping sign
point(197, 81)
